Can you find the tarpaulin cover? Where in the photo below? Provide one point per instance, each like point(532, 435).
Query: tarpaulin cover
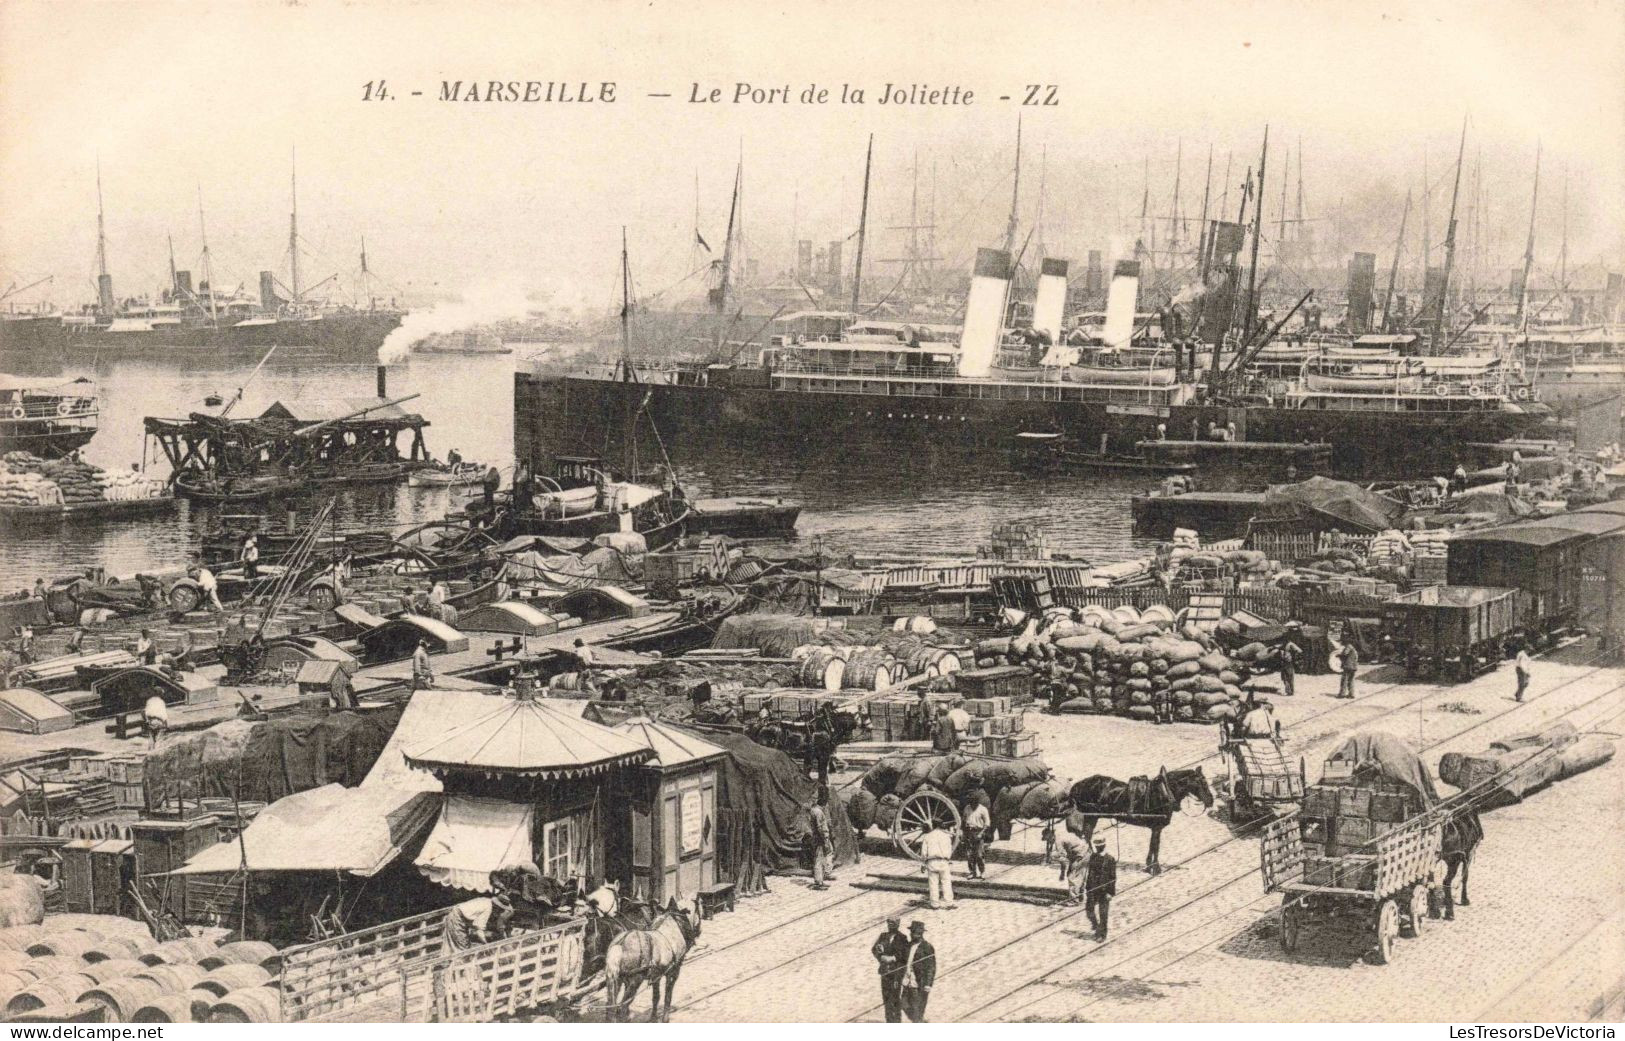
point(1495, 505)
point(773, 790)
point(565, 571)
point(1391, 758)
point(278, 758)
point(330, 828)
point(1320, 500)
point(475, 837)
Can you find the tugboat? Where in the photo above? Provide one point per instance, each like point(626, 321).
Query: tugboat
point(47, 419)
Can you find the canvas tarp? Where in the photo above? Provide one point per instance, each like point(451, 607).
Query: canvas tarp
point(770, 790)
point(331, 828)
point(1321, 502)
point(1389, 757)
point(474, 837)
point(564, 571)
point(271, 759)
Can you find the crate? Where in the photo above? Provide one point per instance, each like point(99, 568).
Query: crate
point(992, 745)
point(1318, 871)
point(1008, 681)
point(1319, 801)
point(996, 706)
point(126, 769)
point(129, 796)
point(1354, 802)
point(1357, 872)
point(1352, 831)
point(1019, 746)
point(1390, 807)
point(1316, 830)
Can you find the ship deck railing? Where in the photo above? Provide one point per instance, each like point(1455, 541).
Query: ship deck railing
point(962, 388)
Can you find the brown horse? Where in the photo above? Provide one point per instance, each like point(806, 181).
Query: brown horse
point(1147, 802)
point(650, 956)
point(1461, 835)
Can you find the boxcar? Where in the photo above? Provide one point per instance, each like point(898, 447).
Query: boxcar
point(1452, 631)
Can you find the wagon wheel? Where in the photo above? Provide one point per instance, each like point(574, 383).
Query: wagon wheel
point(1418, 910)
point(1291, 923)
point(1387, 930)
point(917, 814)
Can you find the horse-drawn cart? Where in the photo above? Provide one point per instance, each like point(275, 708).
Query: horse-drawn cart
point(1261, 780)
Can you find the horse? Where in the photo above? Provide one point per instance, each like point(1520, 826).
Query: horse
point(815, 741)
point(650, 956)
point(1141, 801)
point(1462, 833)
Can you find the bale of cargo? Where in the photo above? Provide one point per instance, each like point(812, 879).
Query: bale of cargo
point(860, 808)
point(22, 901)
point(1183, 670)
point(1044, 800)
point(49, 990)
point(1230, 678)
point(112, 969)
point(1254, 651)
point(1140, 712)
point(121, 997)
point(1207, 699)
point(167, 1008)
point(886, 810)
point(175, 978)
point(250, 1005)
point(1214, 662)
point(227, 978)
point(1220, 712)
point(186, 950)
point(941, 769)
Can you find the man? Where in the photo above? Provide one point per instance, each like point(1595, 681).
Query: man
point(977, 823)
point(422, 671)
point(476, 922)
point(489, 484)
point(1521, 667)
point(937, 847)
point(25, 644)
point(1074, 865)
point(944, 737)
point(1350, 662)
point(1162, 431)
point(1055, 688)
point(454, 459)
point(39, 589)
point(1460, 478)
point(1162, 705)
point(919, 973)
point(207, 582)
point(823, 843)
point(155, 718)
point(891, 953)
point(1260, 722)
point(76, 642)
point(251, 556)
point(1102, 886)
point(922, 715)
point(1291, 654)
point(145, 652)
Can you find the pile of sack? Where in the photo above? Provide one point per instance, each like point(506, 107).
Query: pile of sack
point(75, 481)
point(1117, 662)
point(1011, 789)
point(27, 489)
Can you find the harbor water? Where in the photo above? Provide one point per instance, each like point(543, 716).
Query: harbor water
point(918, 506)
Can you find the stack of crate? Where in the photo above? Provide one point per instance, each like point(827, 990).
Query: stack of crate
point(1013, 746)
point(1341, 825)
point(1008, 681)
point(1431, 557)
point(127, 774)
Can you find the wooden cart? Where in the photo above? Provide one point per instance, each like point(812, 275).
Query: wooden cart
point(1380, 892)
point(1263, 782)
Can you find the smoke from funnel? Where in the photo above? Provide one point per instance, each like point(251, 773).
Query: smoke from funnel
point(478, 306)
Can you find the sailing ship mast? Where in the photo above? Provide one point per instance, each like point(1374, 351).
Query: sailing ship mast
point(1449, 245)
point(293, 228)
point(1202, 237)
point(1015, 196)
point(863, 226)
point(727, 260)
point(1393, 270)
point(1258, 226)
point(1529, 252)
point(208, 268)
point(1175, 226)
point(628, 372)
point(104, 281)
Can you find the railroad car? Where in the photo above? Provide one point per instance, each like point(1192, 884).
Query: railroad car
point(1452, 631)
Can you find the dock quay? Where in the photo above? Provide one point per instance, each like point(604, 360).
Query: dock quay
point(1214, 513)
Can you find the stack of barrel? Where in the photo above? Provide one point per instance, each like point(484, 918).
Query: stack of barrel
point(892, 659)
point(112, 969)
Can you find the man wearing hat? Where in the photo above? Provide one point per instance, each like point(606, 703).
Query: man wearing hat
point(1291, 654)
point(1101, 884)
point(1260, 722)
point(891, 954)
point(919, 972)
point(422, 671)
point(473, 923)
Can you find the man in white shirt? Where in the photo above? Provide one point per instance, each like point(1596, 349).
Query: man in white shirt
point(977, 823)
point(937, 847)
point(1521, 667)
point(422, 671)
point(155, 716)
point(207, 582)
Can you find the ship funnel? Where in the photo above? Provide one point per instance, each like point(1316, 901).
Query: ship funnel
point(383, 382)
point(183, 283)
point(104, 293)
point(1049, 309)
point(268, 297)
point(984, 312)
point(1120, 302)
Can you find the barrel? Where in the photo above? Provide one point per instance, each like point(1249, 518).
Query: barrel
point(824, 669)
point(52, 990)
point(121, 997)
point(112, 969)
point(184, 951)
point(175, 977)
point(243, 952)
point(11, 960)
point(868, 670)
point(227, 978)
point(922, 624)
point(251, 1005)
point(54, 965)
point(566, 681)
point(932, 661)
point(71, 943)
point(115, 947)
point(14, 982)
point(166, 1008)
point(19, 937)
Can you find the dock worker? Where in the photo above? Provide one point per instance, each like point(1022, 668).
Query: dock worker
point(1102, 886)
point(208, 584)
point(1521, 668)
point(1162, 706)
point(39, 589)
point(919, 972)
point(489, 484)
point(937, 848)
point(76, 642)
point(155, 718)
point(1291, 655)
point(820, 838)
point(977, 824)
point(251, 556)
point(1074, 863)
point(1260, 722)
point(1230, 431)
point(1460, 478)
point(891, 952)
point(1162, 431)
point(1350, 662)
point(944, 736)
point(145, 651)
point(474, 923)
point(454, 459)
point(422, 671)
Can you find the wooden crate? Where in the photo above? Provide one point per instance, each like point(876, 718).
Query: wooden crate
point(1008, 681)
point(993, 706)
point(1019, 746)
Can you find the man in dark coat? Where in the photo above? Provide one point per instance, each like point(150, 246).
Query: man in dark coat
point(1291, 654)
point(919, 972)
point(1101, 885)
point(890, 952)
point(1350, 662)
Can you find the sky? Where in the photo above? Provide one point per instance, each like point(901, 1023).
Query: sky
point(209, 101)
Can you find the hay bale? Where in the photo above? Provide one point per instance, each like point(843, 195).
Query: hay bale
point(22, 902)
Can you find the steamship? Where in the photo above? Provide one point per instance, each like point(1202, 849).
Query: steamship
point(859, 394)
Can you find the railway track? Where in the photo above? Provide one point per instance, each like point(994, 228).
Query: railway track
point(870, 923)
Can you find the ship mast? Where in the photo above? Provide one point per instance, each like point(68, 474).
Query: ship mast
point(1015, 196)
point(174, 289)
point(293, 228)
point(1174, 227)
point(208, 269)
point(104, 281)
point(1202, 231)
point(1449, 245)
point(1563, 252)
point(1529, 251)
point(366, 279)
point(1393, 270)
point(1258, 226)
point(863, 226)
point(727, 259)
point(628, 373)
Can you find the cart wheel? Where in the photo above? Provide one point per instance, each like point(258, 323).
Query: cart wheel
point(1387, 930)
point(916, 816)
point(1291, 923)
point(1418, 910)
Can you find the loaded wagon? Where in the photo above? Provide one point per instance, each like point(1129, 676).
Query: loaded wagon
point(1262, 781)
point(1452, 631)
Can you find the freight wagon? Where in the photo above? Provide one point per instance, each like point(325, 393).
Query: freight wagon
point(1451, 631)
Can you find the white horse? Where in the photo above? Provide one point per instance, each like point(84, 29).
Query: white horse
point(651, 955)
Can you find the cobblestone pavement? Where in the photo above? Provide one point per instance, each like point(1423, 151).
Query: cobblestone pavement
point(1539, 941)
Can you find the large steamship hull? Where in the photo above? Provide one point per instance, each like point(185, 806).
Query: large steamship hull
point(566, 414)
point(359, 334)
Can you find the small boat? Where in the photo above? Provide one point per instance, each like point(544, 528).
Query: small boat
point(1051, 453)
point(362, 473)
point(211, 487)
point(456, 476)
point(745, 518)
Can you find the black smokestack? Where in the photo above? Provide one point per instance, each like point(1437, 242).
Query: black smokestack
point(383, 383)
